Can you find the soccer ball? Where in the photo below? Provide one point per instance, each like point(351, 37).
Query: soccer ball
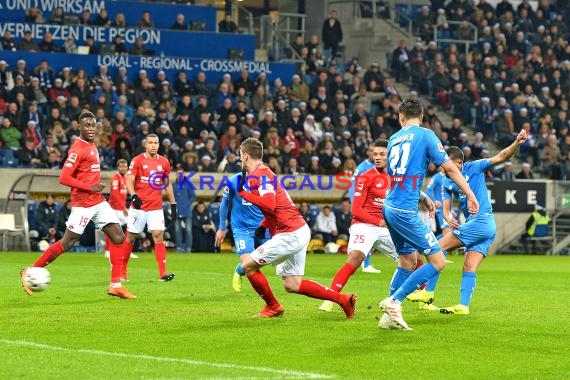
point(37, 279)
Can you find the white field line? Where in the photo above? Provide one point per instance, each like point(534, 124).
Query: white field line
point(287, 373)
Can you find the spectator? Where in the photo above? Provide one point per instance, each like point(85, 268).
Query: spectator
point(343, 218)
point(332, 33)
point(550, 157)
point(537, 218)
point(185, 196)
point(202, 229)
point(145, 21)
point(10, 135)
point(227, 25)
point(86, 17)
point(7, 42)
point(138, 48)
point(57, 16)
point(179, 24)
point(120, 21)
point(90, 42)
point(525, 172)
point(508, 174)
point(34, 16)
point(28, 156)
point(27, 43)
point(326, 225)
point(69, 46)
point(102, 18)
point(119, 47)
point(46, 216)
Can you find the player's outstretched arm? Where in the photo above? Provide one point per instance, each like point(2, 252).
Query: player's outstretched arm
point(509, 151)
point(428, 203)
point(455, 175)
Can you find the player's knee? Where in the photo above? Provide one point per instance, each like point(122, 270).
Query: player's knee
point(355, 258)
point(117, 238)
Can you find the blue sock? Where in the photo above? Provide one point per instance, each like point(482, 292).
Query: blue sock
point(399, 277)
point(432, 283)
point(468, 282)
point(239, 270)
point(367, 261)
point(415, 280)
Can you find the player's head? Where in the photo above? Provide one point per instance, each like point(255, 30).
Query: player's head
point(250, 151)
point(456, 156)
point(122, 166)
point(380, 153)
point(87, 125)
point(410, 111)
point(151, 144)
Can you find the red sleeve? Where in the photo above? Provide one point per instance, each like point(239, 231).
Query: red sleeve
point(66, 176)
point(115, 193)
point(167, 167)
point(266, 198)
point(264, 223)
point(360, 195)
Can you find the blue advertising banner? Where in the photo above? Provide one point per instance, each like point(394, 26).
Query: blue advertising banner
point(167, 42)
point(214, 68)
point(163, 15)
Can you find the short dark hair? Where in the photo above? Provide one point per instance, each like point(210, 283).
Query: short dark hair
point(152, 135)
point(411, 107)
point(380, 143)
point(86, 115)
point(455, 152)
point(253, 147)
point(122, 161)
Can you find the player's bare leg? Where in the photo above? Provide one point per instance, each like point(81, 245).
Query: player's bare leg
point(67, 241)
point(354, 260)
point(116, 237)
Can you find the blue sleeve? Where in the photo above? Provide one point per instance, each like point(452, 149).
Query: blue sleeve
point(431, 188)
point(352, 182)
point(435, 149)
point(224, 207)
point(446, 192)
point(481, 165)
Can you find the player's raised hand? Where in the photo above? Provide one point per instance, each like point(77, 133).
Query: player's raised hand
point(521, 137)
point(220, 237)
point(98, 187)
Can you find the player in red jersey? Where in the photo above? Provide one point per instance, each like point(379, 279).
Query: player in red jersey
point(118, 199)
point(81, 172)
point(290, 235)
point(148, 175)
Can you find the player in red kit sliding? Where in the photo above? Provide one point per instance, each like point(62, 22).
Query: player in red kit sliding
point(290, 236)
point(146, 178)
point(81, 171)
point(118, 199)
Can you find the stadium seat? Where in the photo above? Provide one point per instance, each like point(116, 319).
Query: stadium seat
point(316, 245)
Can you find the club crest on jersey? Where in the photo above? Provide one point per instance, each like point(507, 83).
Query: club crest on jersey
point(72, 157)
point(440, 147)
point(92, 152)
point(145, 166)
point(159, 168)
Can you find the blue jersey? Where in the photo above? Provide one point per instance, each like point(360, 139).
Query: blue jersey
point(410, 150)
point(433, 189)
point(364, 166)
point(474, 173)
point(245, 216)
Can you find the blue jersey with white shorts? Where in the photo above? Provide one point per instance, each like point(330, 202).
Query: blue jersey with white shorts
point(434, 191)
point(478, 232)
point(410, 150)
point(245, 218)
point(363, 167)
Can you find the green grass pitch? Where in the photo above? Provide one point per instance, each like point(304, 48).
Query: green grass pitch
point(197, 327)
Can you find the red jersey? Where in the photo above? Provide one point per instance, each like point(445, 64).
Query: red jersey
point(81, 171)
point(147, 169)
point(279, 211)
point(118, 195)
point(370, 190)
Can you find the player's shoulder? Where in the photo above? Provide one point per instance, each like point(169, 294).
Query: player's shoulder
point(138, 158)
point(263, 171)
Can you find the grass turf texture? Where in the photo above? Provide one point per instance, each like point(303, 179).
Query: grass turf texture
point(197, 327)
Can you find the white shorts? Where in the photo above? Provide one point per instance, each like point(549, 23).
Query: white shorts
point(122, 218)
point(364, 237)
point(154, 220)
point(101, 214)
point(286, 250)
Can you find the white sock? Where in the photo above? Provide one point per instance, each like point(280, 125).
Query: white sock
point(115, 284)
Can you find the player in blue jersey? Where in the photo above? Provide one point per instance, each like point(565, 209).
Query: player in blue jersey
point(245, 222)
point(478, 232)
point(410, 150)
point(363, 167)
point(433, 190)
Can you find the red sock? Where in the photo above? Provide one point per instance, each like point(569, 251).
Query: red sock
point(315, 290)
point(261, 285)
point(116, 258)
point(50, 254)
point(160, 255)
point(126, 254)
point(107, 243)
point(341, 277)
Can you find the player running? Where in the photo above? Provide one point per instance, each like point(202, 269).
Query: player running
point(290, 236)
point(362, 168)
point(118, 200)
point(478, 232)
point(433, 190)
point(245, 221)
point(148, 175)
point(367, 228)
point(82, 172)
point(410, 150)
